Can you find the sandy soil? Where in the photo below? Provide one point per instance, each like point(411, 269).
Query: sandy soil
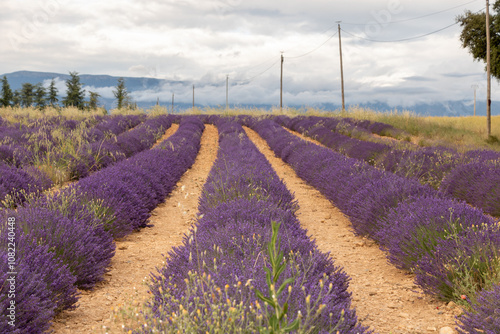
point(138, 254)
point(385, 298)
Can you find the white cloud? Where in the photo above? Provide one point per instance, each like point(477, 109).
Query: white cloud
point(201, 42)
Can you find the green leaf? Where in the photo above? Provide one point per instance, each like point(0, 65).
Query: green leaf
point(285, 309)
point(279, 271)
point(265, 299)
point(285, 283)
point(292, 326)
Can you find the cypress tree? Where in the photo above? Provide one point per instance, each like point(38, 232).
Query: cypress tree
point(52, 98)
point(94, 100)
point(27, 94)
point(74, 92)
point(7, 95)
point(121, 94)
point(40, 99)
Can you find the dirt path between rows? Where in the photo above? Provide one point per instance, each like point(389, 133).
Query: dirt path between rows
point(170, 131)
point(138, 254)
point(385, 297)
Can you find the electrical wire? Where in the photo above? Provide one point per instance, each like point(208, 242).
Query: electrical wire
point(308, 53)
point(418, 17)
point(321, 33)
point(399, 40)
point(245, 82)
point(406, 39)
point(435, 13)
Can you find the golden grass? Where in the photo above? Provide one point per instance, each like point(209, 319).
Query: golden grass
point(463, 133)
point(25, 115)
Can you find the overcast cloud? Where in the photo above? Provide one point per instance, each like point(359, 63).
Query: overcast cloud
point(201, 42)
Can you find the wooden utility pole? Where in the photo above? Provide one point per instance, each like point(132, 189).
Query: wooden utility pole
point(281, 83)
point(172, 103)
point(341, 70)
point(193, 96)
point(488, 68)
point(227, 91)
point(475, 87)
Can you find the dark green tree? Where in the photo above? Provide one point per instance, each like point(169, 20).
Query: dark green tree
point(75, 94)
point(16, 98)
point(93, 100)
point(27, 94)
point(473, 36)
point(121, 94)
point(52, 98)
point(40, 93)
point(7, 95)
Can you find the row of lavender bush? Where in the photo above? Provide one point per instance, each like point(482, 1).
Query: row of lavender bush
point(22, 146)
point(20, 143)
point(450, 246)
point(473, 176)
point(103, 149)
point(352, 127)
point(65, 241)
point(104, 152)
point(216, 281)
point(17, 140)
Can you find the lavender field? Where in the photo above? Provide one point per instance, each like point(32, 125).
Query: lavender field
point(71, 189)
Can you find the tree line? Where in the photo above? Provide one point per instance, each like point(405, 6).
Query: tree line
point(30, 95)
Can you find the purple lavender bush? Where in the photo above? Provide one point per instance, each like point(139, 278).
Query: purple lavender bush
point(428, 165)
point(104, 152)
point(368, 204)
point(485, 317)
point(16, 183)
point(15, 155)
point(463, 264)
point(478, 183)
point(131, 196)
point(63, 239)
point(450, 246)
point(225, 253)
point(373, 201)
point(86, 250)
point(228, 245)
point(482, 155)
point(43, 285)
point(416, 227)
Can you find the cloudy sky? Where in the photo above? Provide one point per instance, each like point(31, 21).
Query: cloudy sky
point(201, 42)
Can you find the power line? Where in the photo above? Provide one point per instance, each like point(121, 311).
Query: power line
point(245, 82)
point(406, 39)
point(401, 40)
point(418, 17)
point(321, 33)
point(260, 64)
point(308, 53)
point(435, 13)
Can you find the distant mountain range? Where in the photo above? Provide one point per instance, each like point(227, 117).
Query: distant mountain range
point(146, 92)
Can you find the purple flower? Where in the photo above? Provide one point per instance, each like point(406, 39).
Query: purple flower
point(43, 285)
